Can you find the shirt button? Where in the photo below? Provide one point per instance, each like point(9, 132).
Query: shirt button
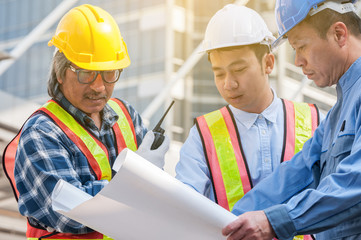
point(267, 160)
point(263, 132)
point(259, 116)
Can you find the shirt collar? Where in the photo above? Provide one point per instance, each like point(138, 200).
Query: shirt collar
point(248, 119)
point(351, 76)
point(109, 117)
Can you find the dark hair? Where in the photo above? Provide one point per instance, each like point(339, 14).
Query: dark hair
point(259, 50)
point(57, 70)
point(322, 21)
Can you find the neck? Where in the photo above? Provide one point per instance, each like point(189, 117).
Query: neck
point(260, 104)
point(265, 101)
point(353, 51)
point(97, 119)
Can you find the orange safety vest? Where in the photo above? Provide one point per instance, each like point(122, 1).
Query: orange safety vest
point(95, 151)
point(225, 156)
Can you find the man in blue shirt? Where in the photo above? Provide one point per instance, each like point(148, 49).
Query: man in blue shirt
point(232, 149)
point(78, 134)
point(319, 190)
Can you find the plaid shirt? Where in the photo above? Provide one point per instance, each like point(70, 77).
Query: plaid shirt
point(45, 155)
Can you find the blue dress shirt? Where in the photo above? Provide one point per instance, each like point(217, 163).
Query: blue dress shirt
point(319, 189)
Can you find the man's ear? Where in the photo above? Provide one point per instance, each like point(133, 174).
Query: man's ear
point(269, 61)
point(60, 81)
point(339, 32)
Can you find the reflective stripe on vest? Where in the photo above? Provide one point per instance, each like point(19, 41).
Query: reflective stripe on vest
point(224, 153)
point(221, 141)
point(125, 123)
point(90, 146)
point(103, 238)
point(9, 162)
point(301, 120)
point(33, 233)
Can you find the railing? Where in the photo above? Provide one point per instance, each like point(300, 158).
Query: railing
point(36, 33)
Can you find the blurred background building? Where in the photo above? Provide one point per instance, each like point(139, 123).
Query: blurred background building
point(163, 39)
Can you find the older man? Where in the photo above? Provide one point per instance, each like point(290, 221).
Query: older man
point(319, 190)
point(77, 135)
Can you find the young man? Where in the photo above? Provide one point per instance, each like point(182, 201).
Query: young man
point(232, 149)
point(77, 135)
point(319, 190)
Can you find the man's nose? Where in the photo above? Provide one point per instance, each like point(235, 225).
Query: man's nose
point(299, 60)
point(98, 84)
point(230, 82)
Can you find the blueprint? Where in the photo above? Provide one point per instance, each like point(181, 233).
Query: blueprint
point(143, 202)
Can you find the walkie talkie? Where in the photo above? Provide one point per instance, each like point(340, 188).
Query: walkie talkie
point(158, 131)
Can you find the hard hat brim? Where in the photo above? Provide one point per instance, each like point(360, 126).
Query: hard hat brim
point(278, 42)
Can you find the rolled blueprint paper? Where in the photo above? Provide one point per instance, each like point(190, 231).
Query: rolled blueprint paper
point(144, 202)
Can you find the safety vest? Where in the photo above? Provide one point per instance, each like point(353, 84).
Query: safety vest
point(225, 156)
point(95, 151)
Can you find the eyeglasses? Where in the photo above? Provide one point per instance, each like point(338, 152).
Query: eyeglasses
point(88, 76)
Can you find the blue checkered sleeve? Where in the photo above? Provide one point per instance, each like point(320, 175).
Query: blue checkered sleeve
point(45, 155)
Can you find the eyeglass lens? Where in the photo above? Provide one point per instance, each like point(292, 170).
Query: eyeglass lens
point(86, 76)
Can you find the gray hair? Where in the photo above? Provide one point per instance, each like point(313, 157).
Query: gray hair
point(57, 70)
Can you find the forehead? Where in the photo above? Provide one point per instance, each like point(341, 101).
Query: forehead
point(301, 32)
point(239, 53)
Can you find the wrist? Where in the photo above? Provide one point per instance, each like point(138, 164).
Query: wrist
point(280, 221)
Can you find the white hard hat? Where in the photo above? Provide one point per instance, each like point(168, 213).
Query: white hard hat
point(236, 25)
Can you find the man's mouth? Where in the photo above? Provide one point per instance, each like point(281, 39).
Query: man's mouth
point(234, 97)
point(308, 74)
point(96, 97)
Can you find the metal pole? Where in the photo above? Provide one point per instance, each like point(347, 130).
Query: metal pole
point(182, 72)
point(303, 84)
point(281, 72)
point(31, 38)
point(241, 2)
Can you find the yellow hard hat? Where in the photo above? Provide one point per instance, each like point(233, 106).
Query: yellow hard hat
point(90, 38)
